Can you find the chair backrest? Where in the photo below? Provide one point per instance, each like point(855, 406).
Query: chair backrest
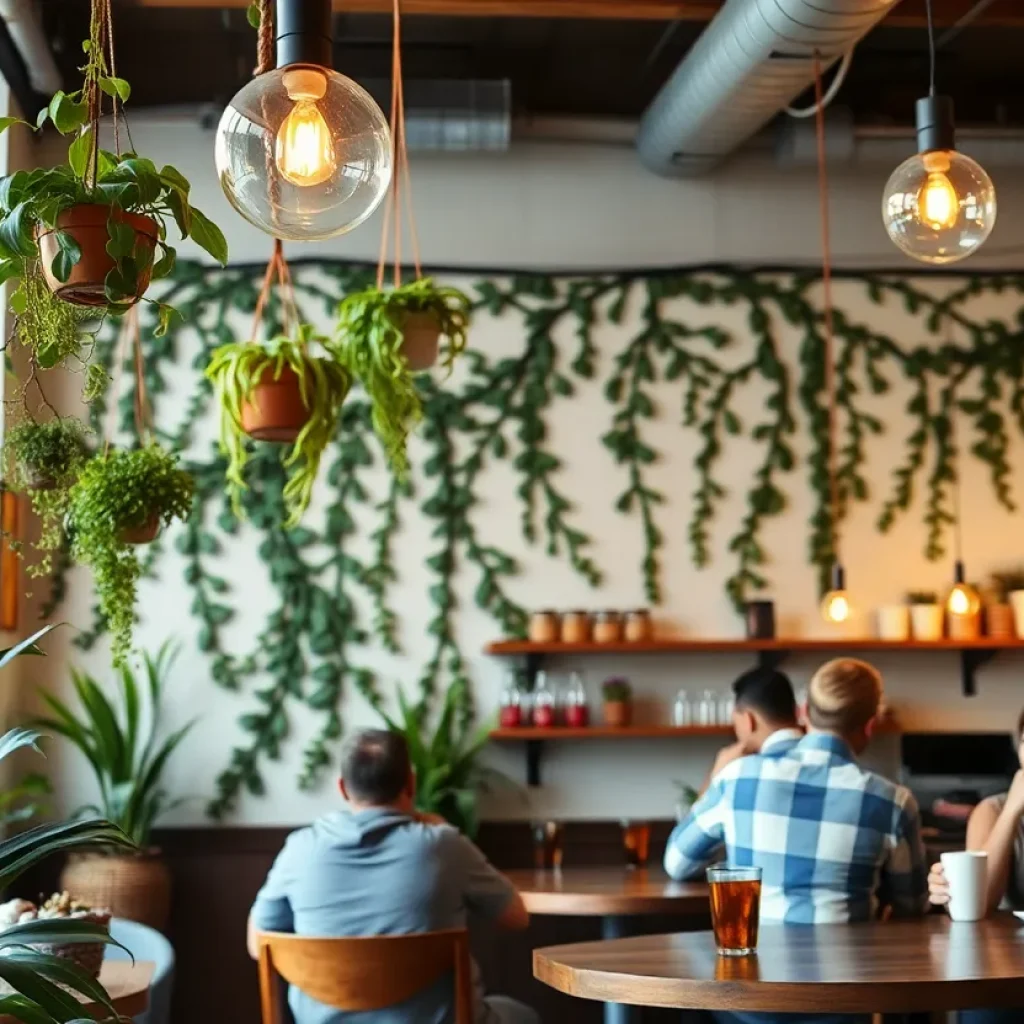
point(366, 973)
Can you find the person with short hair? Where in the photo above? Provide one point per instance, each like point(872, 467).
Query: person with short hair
point(834, 841)
point(764, 718)
point(381, 868)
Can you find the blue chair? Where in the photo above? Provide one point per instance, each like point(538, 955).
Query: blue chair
point(147, 943)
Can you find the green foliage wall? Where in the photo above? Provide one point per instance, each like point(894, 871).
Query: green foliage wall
point(643, 336)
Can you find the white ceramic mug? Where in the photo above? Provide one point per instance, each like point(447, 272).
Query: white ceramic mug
point(966, 873)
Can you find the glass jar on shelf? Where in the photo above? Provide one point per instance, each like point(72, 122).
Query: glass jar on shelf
point(707, 709)
point(607, 627)
point(511, 714)
point(577, 711)
point(544, 702)
point(726, 706)
point(637, 627)
point(543, 628)
point(576, 627)
point(682, 710)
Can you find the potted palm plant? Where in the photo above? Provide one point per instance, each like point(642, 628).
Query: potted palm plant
point(41, 980)
point(385, 337)
point(449, 775)
point(43, 460)
point(122, 745)
point(278, 390)
point(120, 500)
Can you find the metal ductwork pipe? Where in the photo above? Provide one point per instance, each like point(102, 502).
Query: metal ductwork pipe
point(26, 31)
point(754, 58)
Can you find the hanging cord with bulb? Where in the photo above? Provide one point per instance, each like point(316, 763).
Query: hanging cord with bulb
point(826, 281)
point(400, 174)
point(930, 21)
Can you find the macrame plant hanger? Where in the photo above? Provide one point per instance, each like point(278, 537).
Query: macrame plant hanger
point(129, 335)
point(278, 275)
point(101, 47)
point(400, 176)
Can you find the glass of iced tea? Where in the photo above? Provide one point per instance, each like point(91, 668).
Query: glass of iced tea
point(547, 845)
point(735, 909)
point(636, 842)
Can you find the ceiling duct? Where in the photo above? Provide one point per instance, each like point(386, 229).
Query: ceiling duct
point(754, 58)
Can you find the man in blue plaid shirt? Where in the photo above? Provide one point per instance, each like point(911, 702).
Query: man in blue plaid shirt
point(835, 842)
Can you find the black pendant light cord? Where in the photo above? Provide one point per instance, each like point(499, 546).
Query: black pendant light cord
point(931, 46)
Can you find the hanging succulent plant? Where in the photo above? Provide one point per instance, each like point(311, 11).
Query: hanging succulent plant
point(277, 391)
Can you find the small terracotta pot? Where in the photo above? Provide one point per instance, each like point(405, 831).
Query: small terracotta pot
point(142, 534)
point(964, 627)
point(421, 336)
point(87, 225)
point(617, 713)
point(274, 411)
point(999, 621)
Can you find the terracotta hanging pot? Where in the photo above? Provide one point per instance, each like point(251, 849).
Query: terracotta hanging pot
point(421, 336)
point(142, 534)
point(274, 410)
point(87, 225)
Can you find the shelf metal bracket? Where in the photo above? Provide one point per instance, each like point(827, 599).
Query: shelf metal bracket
point(971, 659)
point(534, 750)
point(771, 659)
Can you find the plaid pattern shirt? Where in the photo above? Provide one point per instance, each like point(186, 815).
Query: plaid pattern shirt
point(832, 839)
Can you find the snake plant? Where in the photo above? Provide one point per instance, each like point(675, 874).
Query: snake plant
point(235, 370)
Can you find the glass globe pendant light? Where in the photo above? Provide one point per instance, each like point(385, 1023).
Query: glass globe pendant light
point(302, 152)
point(835, 605)
point(938, 206)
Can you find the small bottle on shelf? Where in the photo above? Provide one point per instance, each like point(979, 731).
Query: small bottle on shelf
point(682, 712)
point(726, 706)
point(577, 712)
point(511, 714)
point(543, 703)
point(707, 709)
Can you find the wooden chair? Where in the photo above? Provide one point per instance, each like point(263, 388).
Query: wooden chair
point(364, 974)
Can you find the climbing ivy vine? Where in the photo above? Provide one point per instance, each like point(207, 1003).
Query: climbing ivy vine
point(678, 362)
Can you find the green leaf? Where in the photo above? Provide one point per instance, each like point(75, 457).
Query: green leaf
point(68, 254)
point(6, 122)
point(252, 14)
point(16, 231)
point(80, 151)
point(121, 239)
point(208, 236)
point(67, 114)
point(116, 87)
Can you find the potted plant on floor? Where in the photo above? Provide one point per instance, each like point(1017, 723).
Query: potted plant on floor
point(43, 461)
point(40, 980)
point(926, 615)
point(385, 337)
point(119, 501)
point(1004, 608)
point(96, 226)
point(278, 390)
point(121, 742)
point(617, 697)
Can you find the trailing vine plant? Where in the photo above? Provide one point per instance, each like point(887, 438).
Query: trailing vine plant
point(703, 349)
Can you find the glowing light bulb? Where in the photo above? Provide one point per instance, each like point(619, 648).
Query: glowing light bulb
point(835, 606)
point(304, 149)
point(963, 599)
point(938, 202)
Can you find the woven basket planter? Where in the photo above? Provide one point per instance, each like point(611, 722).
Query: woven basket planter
point(137, 887)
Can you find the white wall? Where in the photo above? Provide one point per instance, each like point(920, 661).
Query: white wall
point(560, 206)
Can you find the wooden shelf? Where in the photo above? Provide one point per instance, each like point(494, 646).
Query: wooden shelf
point(607, 732)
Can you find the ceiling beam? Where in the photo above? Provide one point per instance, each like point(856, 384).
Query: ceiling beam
point(908, 14)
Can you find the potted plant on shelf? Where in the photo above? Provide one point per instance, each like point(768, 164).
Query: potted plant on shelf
point(449, 775)
point(893, 622)
point(43, 461)
point(40, 979)
point(926, 615)
point(385, 337)
point(1004, 613)
point(617, 696)
point(122, 745)
point(95, 227)
point(119, 501)
point(278, 391)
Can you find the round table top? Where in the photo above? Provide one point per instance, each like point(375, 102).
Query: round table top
point(608, 891)
point(894, 967)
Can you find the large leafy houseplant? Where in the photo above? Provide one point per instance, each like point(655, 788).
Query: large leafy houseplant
point(43, 460)
point(95, 227)
point(44, 985)
point(123, 745)
point(375, 332)
point(278, 390)
point(120, 500)
point(449, 775)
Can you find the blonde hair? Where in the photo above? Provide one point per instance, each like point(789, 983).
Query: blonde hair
point(844, 695)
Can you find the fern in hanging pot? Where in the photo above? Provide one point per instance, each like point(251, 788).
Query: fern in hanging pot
point(385, 337)
point(278, 391)
point(43, 461)
point(120, 500)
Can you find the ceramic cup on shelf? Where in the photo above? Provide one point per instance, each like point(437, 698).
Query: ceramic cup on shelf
point(999, 621)
point(1017, 604)
point(926, 621)
point(893, 621)
point(964, 627)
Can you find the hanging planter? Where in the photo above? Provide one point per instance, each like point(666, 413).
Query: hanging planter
point(96, 227)
point(274, 408)
point(43, 461)
point(120, 499)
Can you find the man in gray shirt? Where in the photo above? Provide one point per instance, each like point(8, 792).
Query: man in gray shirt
point(383, 869)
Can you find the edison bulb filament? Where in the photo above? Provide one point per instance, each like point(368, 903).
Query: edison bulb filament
point(963, 600)
point(835, 607)
point(304, 150)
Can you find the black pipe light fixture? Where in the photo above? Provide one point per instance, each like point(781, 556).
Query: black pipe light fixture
point(938, 206)
point(302, 152)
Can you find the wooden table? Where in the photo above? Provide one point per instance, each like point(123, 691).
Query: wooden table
point(895, 967)
point(615, 894)
point(127, 984)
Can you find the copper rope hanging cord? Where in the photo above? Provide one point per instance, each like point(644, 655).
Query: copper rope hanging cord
point(826, 282)
point(101, 40)
point(129, 334)
point(400, 174)
point(277, 267)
